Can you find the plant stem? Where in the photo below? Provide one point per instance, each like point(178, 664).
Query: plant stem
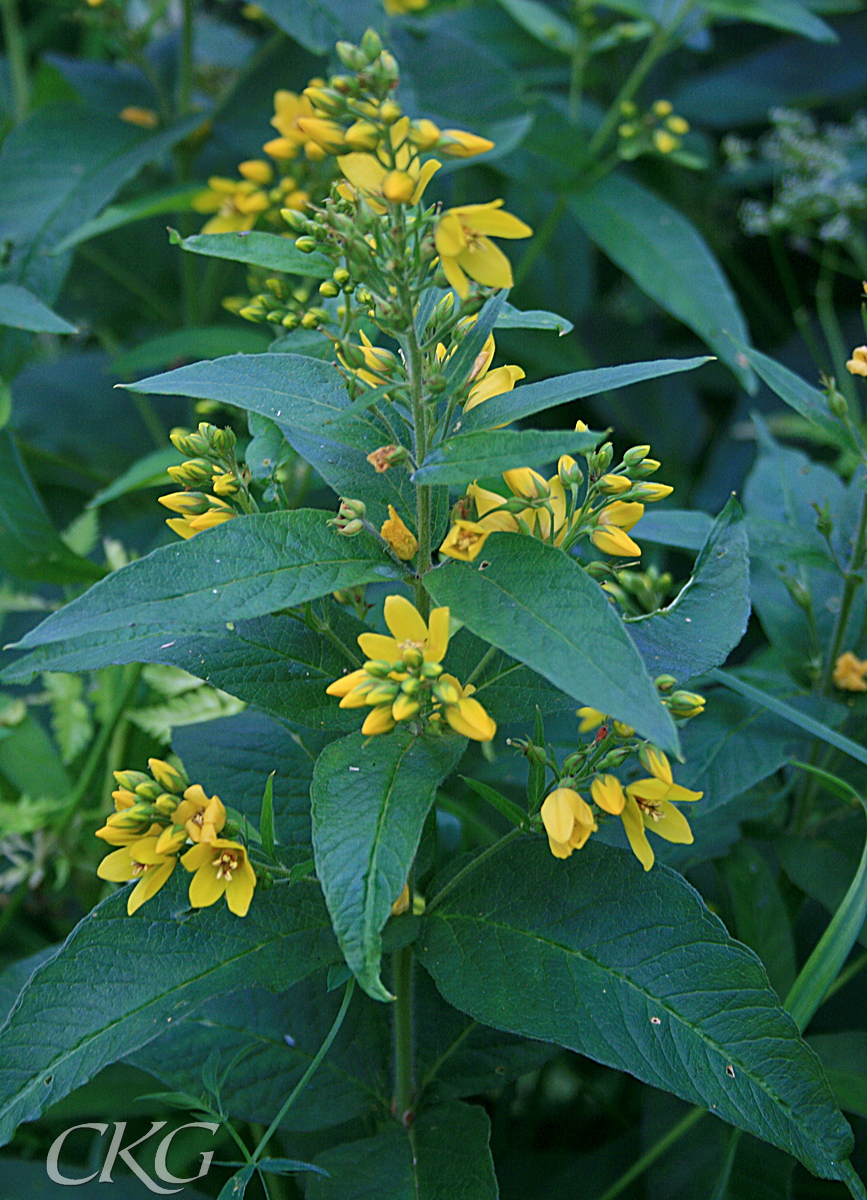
point(845, 975)
point(185, 63)
point(852, 582)
point(404, 1067)
point(309, 1073)
point(546, 231)
point(831, 327)
point(481, 664)
point(656, 47)
point(471, 866)
point(16, 53)
point(656, 1151)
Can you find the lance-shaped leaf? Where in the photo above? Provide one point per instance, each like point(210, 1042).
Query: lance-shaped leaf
point(708, 617)
point(116, 216)
point(243, 568)
point(370, 799)
point(560, 389)
point(20, 309)
point(259, 250)
point(30, 547)
point(295, 391)
point(470, 456)
point(536, 603)
point(448, 1159)
point(534, 318)
point(630, 968)
point(669, 260)
point(118, 980)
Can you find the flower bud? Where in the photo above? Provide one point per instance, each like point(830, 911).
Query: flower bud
point(363, 135)
point(686, 704)
point(305, 244)
point(130, 779)
point(329, 288)
point(614, 485)
point(391, 110)
point(148, 790)
point(383, 692)
point(398, 187)
point(350, 528)
point(325, 100)
point(635, 455)
point(431, 670)
point(600, 460)
point(371, 45)
point(651, 492)
point(570, 473)
point(188, 504)
point(351, 56)
point(352, 508)
point(664, 683)
point(193, 471)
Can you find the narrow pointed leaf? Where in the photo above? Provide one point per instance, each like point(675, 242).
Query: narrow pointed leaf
point(116, 216)
point(259, 250)
point(668, 258)
point(370, 798)
point(547, 393)
point(536, 603)
point(99, 997)
point(630, 968)
point(536, 318)
point(469, 456)
point(20, 309)
point(244, 568)
point(709, 616)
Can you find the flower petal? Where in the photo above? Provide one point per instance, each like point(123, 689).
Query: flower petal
point(454, 274)
point(377, 645)
point(634, 827)
point(487, 264)
point(449, 237)
point(438, 636)
point(669, 823)
point(405, 622)
point(205, 887)
point(149, 884)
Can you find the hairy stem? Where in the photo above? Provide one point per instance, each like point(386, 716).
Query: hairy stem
point(16, 54)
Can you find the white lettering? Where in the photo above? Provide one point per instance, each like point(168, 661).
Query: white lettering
point(160, 1164)
point(51, 1164)
point(115, 1150)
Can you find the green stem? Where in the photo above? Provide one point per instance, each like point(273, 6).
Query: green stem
point(580, 56)
point(845, 975)
point(16, 54)
point(656, 47)
point(308, 1074)
point(100, 744)
point(656, 1151)
point(185, 64)
point(472, 866)
point(851, 585)
point(546, 231)
point(831, 327)
point(404, 1067)
point(481, 664)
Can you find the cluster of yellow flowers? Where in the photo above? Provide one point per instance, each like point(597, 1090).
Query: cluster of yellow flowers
point(542, 509)
point(849, 673)
point(403, 678)
point(660, 129)
point(265, 188)
point(646, 804)
point(157, 815)
point(214, 466)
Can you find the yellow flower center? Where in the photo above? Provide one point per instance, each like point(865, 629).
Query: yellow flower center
point(227, 864)
point(649, 808)
point(139, 869)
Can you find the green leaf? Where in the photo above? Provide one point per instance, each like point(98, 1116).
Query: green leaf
point(57, 169)
point(668, 258)
point(29, 1178)
point(806, 400)
point(709, 615)
point(267, 250)
point(778, 14)
point(317, 24)
point(208, 341)
point(294, 391)
point(369, 804)
point(266, 818)
point(71, 721)
point(70, 1020)
point(236, 1187)
point(243, 568)
point(29, 760)
point(547, 393)
point(788, 713)
point(468, 456)
point(540, 606)
point(30, 547)
point(686, 530)
point(448, 1159)
point(148, 471)
point(501, 803)
point(761, 918)
point(515, 318)
point(844, 1057)
point(629, 968)
point(543, 23)
point(20, 309)
point(154, 204)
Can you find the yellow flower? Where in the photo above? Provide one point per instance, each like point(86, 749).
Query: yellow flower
point(465, 715)
point(493, 383)
point(664, 141)
point(140, 861)
point(613, 522)
point(647, 804)
point(328, 135)
point(399, 7)
point(237, 204)
point(202, 817)
point(257, 170)
point(529, 484)
point(146, 118)
point(373, 176)
point(463, 242)
point(187, 527)
point(465, 145)
point(849, 673)
point(568, 821)
point(401, 539)
point(591, 718)
point(401, 904)
point(409, 631)
point(464, 540)
point(289, 108)
point(221, 868)
point(857, 364)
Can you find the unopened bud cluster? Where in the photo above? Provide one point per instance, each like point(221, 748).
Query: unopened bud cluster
point(659, 130)
point(214, 467)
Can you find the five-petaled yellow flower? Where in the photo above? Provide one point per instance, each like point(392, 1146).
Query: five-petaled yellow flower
point(464, 540)
point(463, 241)
point(142, 861)
point(646, 804)
point(221, 868)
